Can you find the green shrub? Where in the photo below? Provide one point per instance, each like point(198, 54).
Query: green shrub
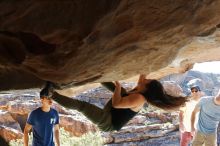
point(88, 139)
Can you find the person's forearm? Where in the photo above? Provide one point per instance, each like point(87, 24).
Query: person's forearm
point(141, 78)
point(116, 98)
point(111, 87)
point(181, 126)
point(26, 139)
point(181, 117)
point(57, 137)
point(193, 120)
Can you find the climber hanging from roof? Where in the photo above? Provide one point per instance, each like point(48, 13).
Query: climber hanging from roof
point(124, 105)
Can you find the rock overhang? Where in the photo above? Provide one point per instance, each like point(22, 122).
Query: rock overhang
point(85, 42)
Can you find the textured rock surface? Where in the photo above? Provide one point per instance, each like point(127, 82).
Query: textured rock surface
point(8, 121)
point(209, 83)
point(76, 125)
point(171, 139)
point(14, 115)
point(9, 127)
point(101, 40)
point(9, 133)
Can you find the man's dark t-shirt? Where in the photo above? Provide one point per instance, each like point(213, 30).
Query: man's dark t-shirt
point(42, 126)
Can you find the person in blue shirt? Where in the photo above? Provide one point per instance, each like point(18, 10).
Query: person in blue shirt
point(208, 120)
point(43, 121)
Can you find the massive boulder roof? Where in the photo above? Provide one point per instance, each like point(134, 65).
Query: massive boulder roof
point(82, 42)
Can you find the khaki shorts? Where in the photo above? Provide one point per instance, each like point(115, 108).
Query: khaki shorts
point(206, 139)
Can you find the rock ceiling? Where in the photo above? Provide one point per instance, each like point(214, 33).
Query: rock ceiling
point(82, 41)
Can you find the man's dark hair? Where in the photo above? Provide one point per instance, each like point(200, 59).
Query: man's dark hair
point(195, 87)
point(47, 90)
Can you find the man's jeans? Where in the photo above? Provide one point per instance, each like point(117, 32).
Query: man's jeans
point(206, 139)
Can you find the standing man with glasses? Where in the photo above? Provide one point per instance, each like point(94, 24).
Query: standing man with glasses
point(208, 120)
point(44, 122)
point(185, 116)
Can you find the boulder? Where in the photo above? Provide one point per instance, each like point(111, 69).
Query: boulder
point(76, 125)
point(73, 43)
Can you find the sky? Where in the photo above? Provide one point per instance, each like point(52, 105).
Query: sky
point(208, 67)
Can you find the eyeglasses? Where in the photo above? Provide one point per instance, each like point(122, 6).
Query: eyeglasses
point(194, 91)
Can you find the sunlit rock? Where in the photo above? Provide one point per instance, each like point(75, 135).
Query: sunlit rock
point(83, 42)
